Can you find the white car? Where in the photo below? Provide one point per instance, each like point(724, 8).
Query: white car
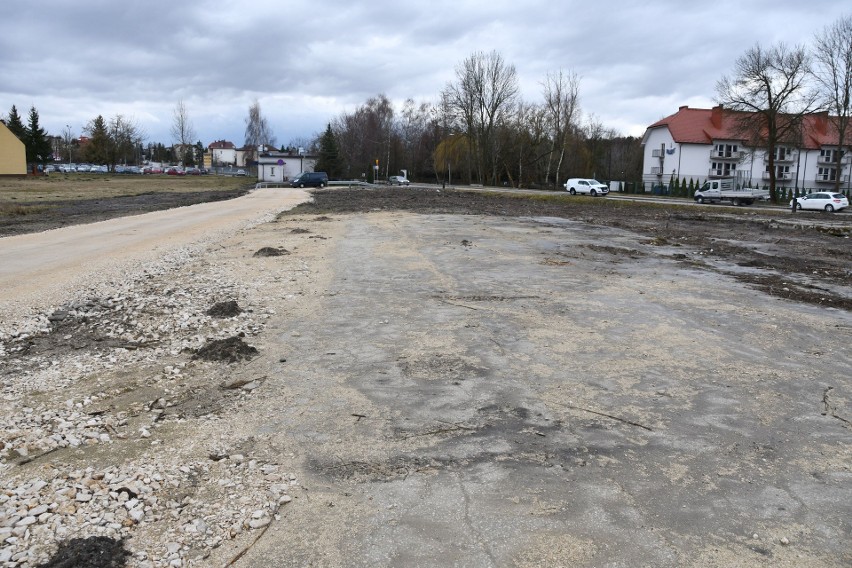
point(587, 186)
point(397, 180)
point(822, 201)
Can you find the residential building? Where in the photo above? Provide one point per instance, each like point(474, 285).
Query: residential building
point(701, 144)
point(13, 153)
point(281, 166)
point(222, 153)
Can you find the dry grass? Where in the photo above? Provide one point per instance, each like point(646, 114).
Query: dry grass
point(62, 187)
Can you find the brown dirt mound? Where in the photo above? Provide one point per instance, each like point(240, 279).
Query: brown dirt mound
point(92, 552)
point(272, 251)
point(231, 350)
point(227, 309)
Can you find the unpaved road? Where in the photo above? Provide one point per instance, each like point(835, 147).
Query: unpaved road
point(36, 268)
point(455, 389)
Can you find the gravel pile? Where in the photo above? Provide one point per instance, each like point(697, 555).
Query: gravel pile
point(82, 454)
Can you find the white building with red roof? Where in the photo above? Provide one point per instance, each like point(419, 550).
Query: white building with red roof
point(701, 144)
point(223, 153)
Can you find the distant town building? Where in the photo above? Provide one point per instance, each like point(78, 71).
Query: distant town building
point(222, 153)
point(702, 144)
point(273, 166)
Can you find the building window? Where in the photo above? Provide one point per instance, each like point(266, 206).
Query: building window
point(781, 172)
point(829, 156)
point(725, 150)
point(783, 153)
point(827, 174)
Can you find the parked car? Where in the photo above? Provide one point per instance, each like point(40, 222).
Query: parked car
point(310, 179)
point(585, 185)
point(175, 171)
point(397, 180)
point(193, 172)
point(240, 173)
point(822, 201)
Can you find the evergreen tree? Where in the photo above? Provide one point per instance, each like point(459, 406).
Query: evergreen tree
point(329, 155)
point(39, 149)
point(97, 149)
point(14, 123)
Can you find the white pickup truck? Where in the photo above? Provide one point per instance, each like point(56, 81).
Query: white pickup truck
point(717, 190)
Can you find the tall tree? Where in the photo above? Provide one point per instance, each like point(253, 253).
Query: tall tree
point(97, 149)
point(183, 132)
point(769, 88)
point(123, 137)
point(562, 103)
point(258, 131)
point(329, 155)
point(832, 53)
point(68, 140)
point(480, 99)
point(16, 125)
point(39, 148)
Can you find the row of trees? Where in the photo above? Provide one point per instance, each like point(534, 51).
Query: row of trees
point(484, 133)
point(480, 132)
point(775, 88)
point(35, 138)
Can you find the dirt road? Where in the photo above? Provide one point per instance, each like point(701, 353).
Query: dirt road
point(475, 381)
point(36, 269)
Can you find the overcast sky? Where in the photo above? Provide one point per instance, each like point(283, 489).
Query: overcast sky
point(307, 62)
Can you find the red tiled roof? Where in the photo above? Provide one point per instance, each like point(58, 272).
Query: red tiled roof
point(704, 126)
point(221, 145)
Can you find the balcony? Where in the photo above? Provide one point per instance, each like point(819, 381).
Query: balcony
point(779, 176)
point(831, 160)
point(721, 173)
point(827, 178)
point(787, 159)
point(725, 154)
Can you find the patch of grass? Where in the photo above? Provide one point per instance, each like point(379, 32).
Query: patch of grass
point(13, 210)
point(81, 186)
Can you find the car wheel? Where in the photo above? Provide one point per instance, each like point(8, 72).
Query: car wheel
point(593, 193)
point(699, 199)
point(829, 208)
point(301, 185)
point(322, 185)
point(736, 202)
point(572, 191)
point(798, 206)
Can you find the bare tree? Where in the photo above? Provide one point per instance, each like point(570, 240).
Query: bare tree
point(183, 132)
point(769, 88)
point(832, 53)
point(562, 104)
point(482, 97)
point(67, 140)
point(258, 131)
point(124, 136)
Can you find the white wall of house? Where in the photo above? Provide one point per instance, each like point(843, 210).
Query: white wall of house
point(269, 170)
point(224, 156)
point(796, 168)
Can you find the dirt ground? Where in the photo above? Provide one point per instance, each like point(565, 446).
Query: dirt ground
point(412, 377)
point(802, 257)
